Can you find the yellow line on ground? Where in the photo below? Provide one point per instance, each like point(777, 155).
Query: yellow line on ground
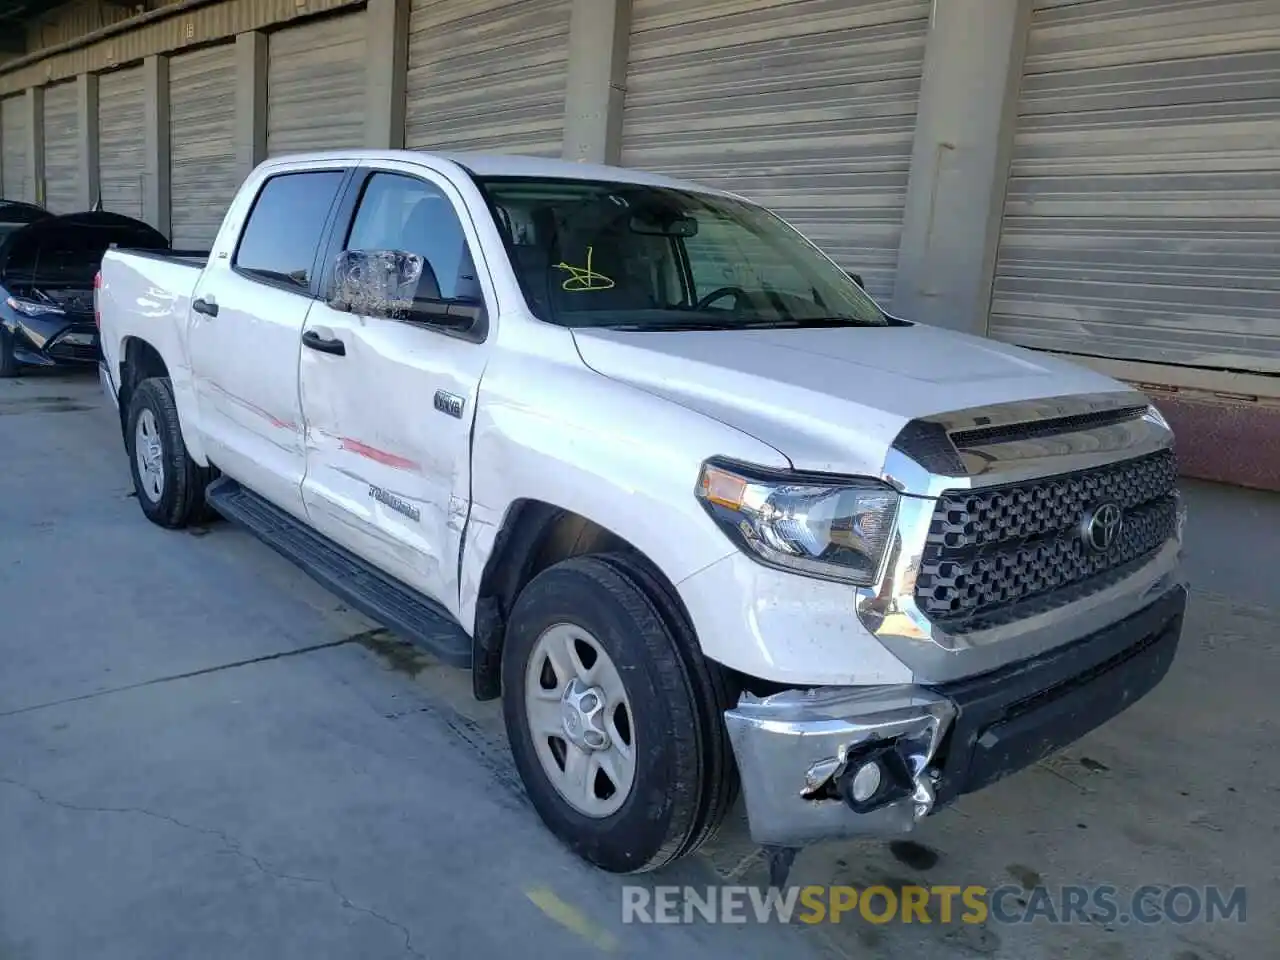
point(571, 919)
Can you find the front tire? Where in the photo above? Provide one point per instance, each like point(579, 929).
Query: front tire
point(605, 718)
point(169, 484)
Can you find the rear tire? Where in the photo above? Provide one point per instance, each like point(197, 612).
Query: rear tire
point(677, 781)
point(169, 484)
point(8, 363)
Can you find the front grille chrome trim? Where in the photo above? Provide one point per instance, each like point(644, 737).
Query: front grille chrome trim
point(932, 454)
point(936, 652)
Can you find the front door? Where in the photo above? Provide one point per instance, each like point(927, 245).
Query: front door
point(245, 336)
point(388, 404)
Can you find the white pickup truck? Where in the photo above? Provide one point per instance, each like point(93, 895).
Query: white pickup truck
point(665, 478)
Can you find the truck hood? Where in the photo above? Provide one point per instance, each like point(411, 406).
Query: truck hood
point(830, 399)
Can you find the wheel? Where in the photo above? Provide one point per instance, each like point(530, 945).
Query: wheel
point(8, 364)
point(607, 720)
point(169, 484)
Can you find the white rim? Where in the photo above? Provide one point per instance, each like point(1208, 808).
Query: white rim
point(149, 453)
point(581, 721)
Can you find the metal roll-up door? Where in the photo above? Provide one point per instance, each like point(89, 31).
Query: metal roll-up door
point(62, 149)
point(13, 149)
point(488, 75)
point(202, 121)
point(808, 106)
point(121, 141)
point(1142, 213)
point(316, 86)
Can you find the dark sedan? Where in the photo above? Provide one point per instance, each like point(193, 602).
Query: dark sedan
point(47, 268)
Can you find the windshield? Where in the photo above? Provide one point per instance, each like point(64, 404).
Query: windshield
point(630, 256)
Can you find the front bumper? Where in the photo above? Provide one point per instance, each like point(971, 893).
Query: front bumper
point(56, 343)
point(797, 751)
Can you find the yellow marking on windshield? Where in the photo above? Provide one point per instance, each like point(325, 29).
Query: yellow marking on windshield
point(584, 279)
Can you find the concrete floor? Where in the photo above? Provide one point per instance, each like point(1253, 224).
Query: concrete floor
point(203, 754)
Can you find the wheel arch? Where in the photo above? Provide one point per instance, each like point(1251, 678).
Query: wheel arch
point(141, 360)
point(533, 536)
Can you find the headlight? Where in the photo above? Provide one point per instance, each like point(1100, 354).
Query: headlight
point(834, 529)
point(29, 308)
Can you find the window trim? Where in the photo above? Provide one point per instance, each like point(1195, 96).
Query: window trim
point(313, 290)
point(343, 222)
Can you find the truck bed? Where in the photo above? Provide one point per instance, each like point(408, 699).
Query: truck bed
point(190, 258)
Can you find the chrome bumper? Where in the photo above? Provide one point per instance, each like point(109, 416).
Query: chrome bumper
point(793, 749)
point(798, 750)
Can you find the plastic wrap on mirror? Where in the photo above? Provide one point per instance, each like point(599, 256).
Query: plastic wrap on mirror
point(377, 283)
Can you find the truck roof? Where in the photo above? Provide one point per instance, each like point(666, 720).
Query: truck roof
point(508, 165)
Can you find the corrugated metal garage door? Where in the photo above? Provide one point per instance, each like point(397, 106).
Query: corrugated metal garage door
point(121, 141)
point(488, 75)
point(808, 106)
point(62, 149)
point(1142, 218)
point(13, 143)
point(202, 118)
point(315, 86)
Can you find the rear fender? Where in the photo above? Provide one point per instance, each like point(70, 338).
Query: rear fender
point(140, 304)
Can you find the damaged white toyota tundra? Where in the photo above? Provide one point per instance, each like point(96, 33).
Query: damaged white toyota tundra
point(665, 478)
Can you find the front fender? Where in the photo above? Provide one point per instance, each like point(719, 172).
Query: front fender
point(560, 433)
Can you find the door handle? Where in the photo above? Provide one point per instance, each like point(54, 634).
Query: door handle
point(316, 342)
point(207, 307)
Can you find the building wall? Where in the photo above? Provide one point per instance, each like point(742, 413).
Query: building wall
point(887, 129)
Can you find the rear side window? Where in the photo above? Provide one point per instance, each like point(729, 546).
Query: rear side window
point(280, 241)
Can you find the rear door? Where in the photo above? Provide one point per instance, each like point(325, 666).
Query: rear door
point(246, 326)
point(388, 418)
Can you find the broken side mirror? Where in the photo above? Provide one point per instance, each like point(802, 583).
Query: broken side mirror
point(856, 278)
point(398, 285)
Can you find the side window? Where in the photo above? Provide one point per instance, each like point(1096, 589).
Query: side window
point(285, 227)
point(404, 213)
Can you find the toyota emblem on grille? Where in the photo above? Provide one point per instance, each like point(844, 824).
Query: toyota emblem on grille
point(1102, 526)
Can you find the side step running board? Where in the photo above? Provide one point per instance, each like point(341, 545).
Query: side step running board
point(376, 595)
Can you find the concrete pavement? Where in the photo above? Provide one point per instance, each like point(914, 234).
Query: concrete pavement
point(203, 754)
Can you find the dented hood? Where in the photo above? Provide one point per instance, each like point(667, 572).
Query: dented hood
point(830, 399)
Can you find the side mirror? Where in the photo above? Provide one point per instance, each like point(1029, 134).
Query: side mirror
point(375, 283)
point(856, 278)
point(397, 285)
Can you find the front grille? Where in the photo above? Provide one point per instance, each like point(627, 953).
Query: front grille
point(1002, 553)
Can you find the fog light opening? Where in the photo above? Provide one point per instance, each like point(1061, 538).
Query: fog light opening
point(875, 775)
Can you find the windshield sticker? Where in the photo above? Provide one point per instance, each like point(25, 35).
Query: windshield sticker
point(584, 279)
